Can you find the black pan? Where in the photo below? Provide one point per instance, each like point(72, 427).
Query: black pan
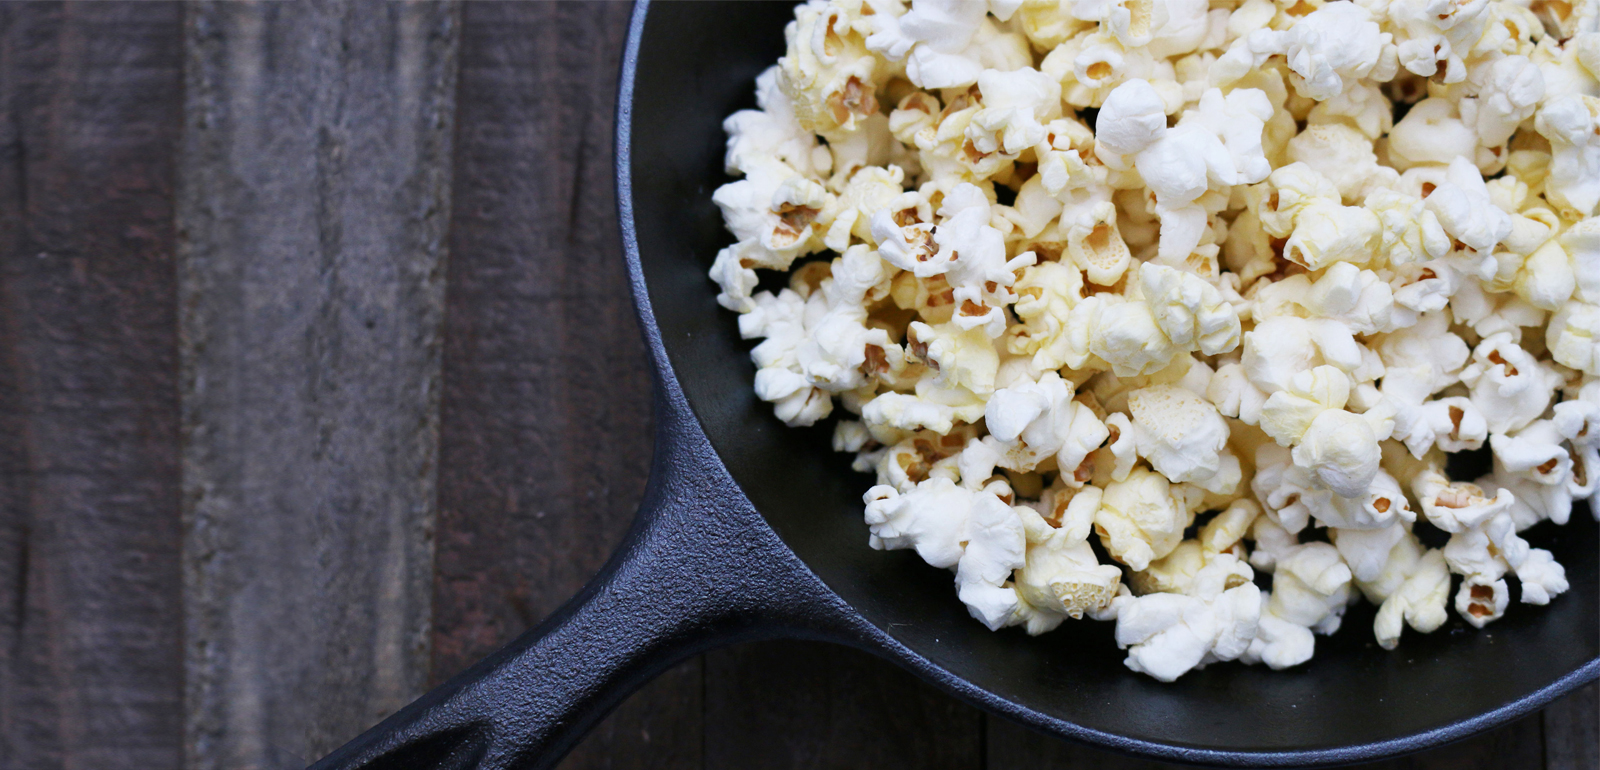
point(752, 530)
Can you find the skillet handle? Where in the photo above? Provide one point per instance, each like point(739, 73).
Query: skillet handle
point(699, 569)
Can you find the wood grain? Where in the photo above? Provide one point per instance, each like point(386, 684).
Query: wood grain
point(546, 440)
point(1570, 727)
point(791, 704)
point(312, 211)
point(309, 172)
point(90, 613)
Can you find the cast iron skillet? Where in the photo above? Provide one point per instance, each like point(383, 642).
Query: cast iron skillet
point(753, 530)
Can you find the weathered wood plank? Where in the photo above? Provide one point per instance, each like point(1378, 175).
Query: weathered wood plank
point(793, 704)
point(546, 434)
point(1570, 728)
point(312, 214)
point(90, 614)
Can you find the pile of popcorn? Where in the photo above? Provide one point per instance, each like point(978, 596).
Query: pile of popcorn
point(1132, 302)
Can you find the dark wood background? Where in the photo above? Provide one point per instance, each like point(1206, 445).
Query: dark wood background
point(319, 379)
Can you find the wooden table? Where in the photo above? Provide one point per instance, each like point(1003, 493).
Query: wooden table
point(319, 379)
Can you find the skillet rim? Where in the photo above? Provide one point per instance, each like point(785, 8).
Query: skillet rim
point(870, 637)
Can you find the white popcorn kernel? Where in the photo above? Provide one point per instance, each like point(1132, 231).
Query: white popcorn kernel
point(1325, 233)
point(1173, 573)
point(1455, 506)
point(1581, 241)
point(827, 71)
point(1169, 634)
point(1465, 210)
point(1532, 502)
point(850, 436)
point(1510, 387)
point(1224, 531)
point(1536, 453)
point(1279, 643)
point(1032, 421)
point(1431, 133)
point(1361, 105)
point(735, 279)
point(971, 531)
point(1359, 299)
point(1122, 445)
point(771, 133)
point(1413, 589)
point(1410, 233)
point(1182, 435)
point(1542, 578)
point(1311, 587)
point(1278, 349)
point(1327, 48)
point(1132, 22)
point(1016, 105)
point(1234, 395)
point(1366, 551)
point(1189, 311)
point(1225, 296)
point(1481, 603)
point(1341, 155)
point(1571, 123)
point(1101, 253)
point(776, 214)
point(1509, 90)
point(1545, 279)
point(1132, 118)
point(1433, 37)
point(1060, 577)
point(1140, 520)
point(1341, 448)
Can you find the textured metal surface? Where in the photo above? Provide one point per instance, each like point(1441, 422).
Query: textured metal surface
point(699, 569)
point(702, 567)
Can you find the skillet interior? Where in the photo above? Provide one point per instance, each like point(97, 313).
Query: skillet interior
point(696, 64)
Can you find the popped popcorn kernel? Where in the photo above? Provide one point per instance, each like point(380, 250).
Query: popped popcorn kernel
point(1204, 289)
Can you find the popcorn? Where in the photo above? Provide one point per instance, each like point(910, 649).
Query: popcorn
point(1510, 387)
point(1216, 145)
point(1240, 294)
point(947, 43)
point(827, 71)
point(1412, 589)
point(1168, 634)
point(1140, 519)
point(1484, 554)
point(1509, 89)
point(1408, 232)
point(1310, 587)
point(1464, 208)
point(1060, 577)
point(1431, 132)
point(973, 532)
point(1326, 48)
point(1432, 37)
point(1570, 124)
point(1184, 437)
point(1016, 105)
point(1457, 506)
point(1341, 155)
point(771, 134)
point(1032, 421)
